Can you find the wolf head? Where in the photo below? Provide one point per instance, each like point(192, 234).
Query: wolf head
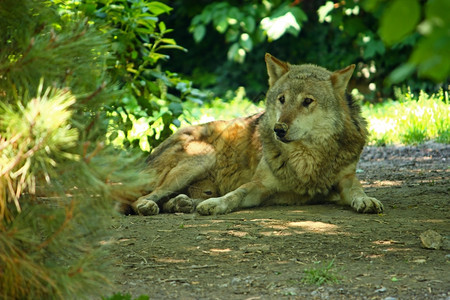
point(306, 102)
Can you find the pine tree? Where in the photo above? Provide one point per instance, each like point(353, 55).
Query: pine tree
point(58, 176)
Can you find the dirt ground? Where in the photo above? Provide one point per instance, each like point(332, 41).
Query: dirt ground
point(262, 253)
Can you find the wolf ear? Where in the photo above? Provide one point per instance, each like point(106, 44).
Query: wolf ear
point(340, 79)
point(275, 68)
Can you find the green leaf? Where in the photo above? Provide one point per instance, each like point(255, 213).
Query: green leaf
point(176, 108)
point(249, 24)
point(401, 73)
point(197, 20)
point(399, 19)
point(373, 48)
point(158, 8)
point(168, 41)
point(199, 33)
point(233, 51)
point(438, 10)
point(176, 122)
point(176, 47)
point(221, 24)
point(231, 35)
point(285, 19)
point(324, 11)
point(431, 56)
point(246, 42)
point(162, 26)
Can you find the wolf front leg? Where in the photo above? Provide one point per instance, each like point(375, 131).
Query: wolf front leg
point(172, 180)
point(250, 194)
point(352, 194)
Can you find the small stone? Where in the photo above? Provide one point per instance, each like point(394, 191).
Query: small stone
point(200, 237)
point(235, 281)
point(292, 291)
point(431, 239)
point(381, 290)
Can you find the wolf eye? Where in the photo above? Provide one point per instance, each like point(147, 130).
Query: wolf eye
point(281, 99)
point(307, 102)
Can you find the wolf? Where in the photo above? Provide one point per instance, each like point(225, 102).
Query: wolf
point(303, 148)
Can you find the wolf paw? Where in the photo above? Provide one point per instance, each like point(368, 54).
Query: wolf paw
point(367, 205)
point(180, 203)
point(146, 207)
point(212, 206)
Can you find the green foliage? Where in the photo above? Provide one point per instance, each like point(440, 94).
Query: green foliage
point(139, 43)
point(239, 24)
point(399, 19)
point(219, 109)
point(228, 41)
point(34, 137)
point(58, 176)
point(195, 113)
point(402, 18)
point(320, 275)
point(411, 119)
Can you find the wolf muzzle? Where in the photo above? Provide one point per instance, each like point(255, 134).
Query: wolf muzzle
point(280, 129)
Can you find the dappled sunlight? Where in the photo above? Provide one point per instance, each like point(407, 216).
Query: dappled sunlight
point(170, 260)
point(285, 228)
point(277, 226)
point(374, 256)
point(297, 211)
point(237, 233)
point(433, 221)
point(279, 233)
point(397, 249)
point(216, 250)
point(381, 126)
point(386, 242)
point(391, 244)
point(314, 226)
point(196, 225)
point(386, 183)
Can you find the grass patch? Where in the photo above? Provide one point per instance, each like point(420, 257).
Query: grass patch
point(409, 120)
point(217, 109)
point(120, 296)
point(321, 274)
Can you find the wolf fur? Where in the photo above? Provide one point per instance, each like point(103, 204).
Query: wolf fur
point(304, 148)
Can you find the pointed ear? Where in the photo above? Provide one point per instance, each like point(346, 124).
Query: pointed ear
point(275, 68)
point(340, 79)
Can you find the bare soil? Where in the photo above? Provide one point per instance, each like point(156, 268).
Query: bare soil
point(262, 253)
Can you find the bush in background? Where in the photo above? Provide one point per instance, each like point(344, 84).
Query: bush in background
point(386, 39)
point(139, 43)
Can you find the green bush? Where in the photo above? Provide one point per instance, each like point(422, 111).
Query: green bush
point(139, 43)
point(228, 39)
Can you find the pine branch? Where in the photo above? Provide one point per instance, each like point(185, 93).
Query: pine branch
point(68, 218)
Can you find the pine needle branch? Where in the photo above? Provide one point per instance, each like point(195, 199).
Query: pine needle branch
point(68, 218)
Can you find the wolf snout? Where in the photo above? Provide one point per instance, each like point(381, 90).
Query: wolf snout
point(280, 129)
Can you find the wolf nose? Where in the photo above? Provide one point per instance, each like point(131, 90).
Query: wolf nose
point(280, 129)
